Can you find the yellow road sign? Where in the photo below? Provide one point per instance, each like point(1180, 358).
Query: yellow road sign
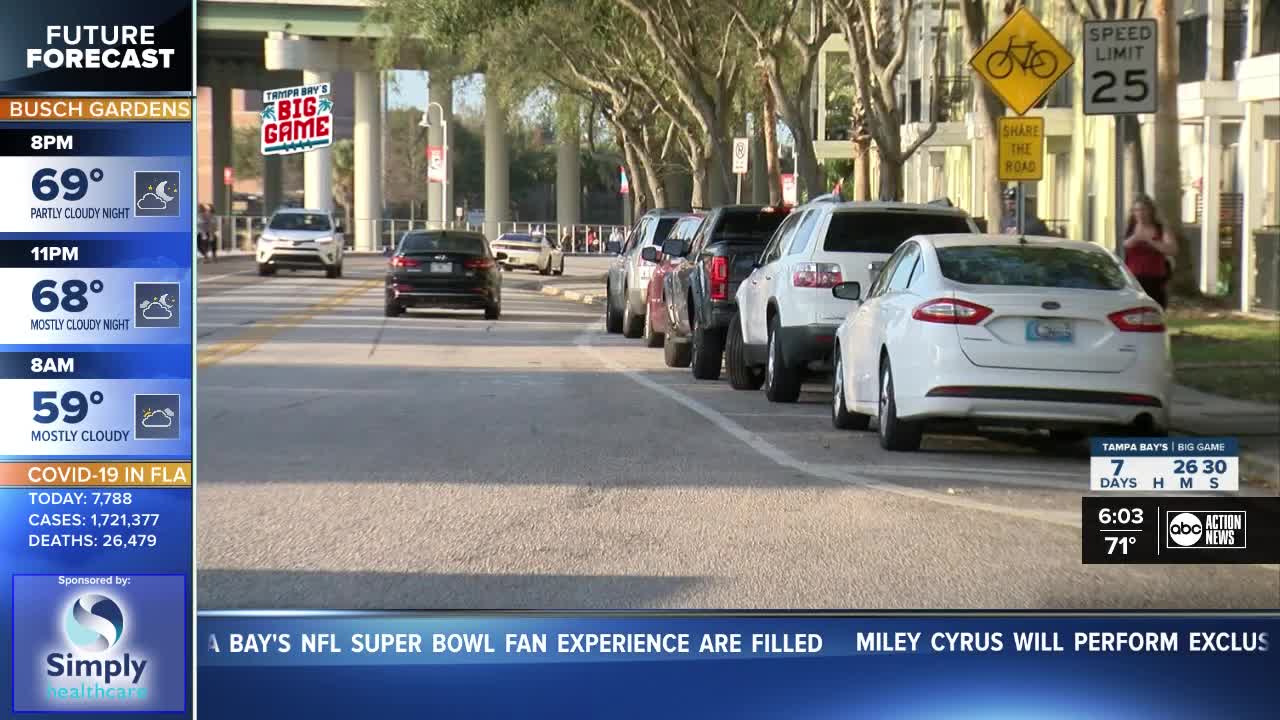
point(1021, 61)
point(1021, 148)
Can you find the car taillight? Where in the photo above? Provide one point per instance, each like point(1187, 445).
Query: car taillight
point(1139, 319)
point(815, 275)
point(950, 311)
point(404, 288)
point(401, 261)
point(720, 278)
point(482, 263)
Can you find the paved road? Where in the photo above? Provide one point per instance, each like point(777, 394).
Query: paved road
point(438, 460)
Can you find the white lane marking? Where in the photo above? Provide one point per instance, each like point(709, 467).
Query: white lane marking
point(760, 445)
point(211, 278)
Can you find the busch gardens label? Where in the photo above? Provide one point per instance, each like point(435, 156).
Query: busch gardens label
point(296, 119)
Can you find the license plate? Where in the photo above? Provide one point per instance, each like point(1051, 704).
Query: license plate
point(437, 267)
point(1049, 331)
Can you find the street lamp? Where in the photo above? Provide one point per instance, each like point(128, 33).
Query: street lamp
point(444, 180)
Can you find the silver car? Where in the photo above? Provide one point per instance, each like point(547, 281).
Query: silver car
point(629, 273)
point(301, 239)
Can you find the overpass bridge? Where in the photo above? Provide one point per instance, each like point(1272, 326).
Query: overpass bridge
point(262, 44)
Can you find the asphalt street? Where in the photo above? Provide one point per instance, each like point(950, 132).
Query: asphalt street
point(438, 460)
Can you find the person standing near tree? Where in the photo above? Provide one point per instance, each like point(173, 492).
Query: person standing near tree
point(1148, 250)
point(204, 230)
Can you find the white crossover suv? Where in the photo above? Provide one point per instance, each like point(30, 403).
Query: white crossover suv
point(787, 316)
point(533, 251)
point(301, 239)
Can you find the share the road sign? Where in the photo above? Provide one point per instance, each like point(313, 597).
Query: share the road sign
point(1021, 149)
point(1021, 61)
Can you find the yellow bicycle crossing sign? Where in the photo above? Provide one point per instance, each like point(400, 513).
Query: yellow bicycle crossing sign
point(1021, 61)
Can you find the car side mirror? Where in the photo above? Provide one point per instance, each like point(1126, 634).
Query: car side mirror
point(650, 253)
point(614, 247)
point(501, 255)
point(674, 247)
point(848, 291)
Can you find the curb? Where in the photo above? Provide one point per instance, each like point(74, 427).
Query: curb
point(1260, 470)
point(571, 295)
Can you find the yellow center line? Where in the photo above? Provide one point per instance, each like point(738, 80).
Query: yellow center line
point(259, 334)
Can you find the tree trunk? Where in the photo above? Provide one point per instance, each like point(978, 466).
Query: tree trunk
point(987, 108)
point(795, 110)
point(700, 172)
point(861, 169)
point(769, 121)
point(1167, 183)
point(890, 178)
point(1134, 162)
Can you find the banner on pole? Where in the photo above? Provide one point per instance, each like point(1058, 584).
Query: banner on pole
point(435, 164)
point(624, 187)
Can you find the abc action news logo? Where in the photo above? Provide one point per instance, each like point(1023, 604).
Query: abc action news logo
point(1205, 530)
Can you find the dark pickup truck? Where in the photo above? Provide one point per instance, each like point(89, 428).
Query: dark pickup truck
point(700, 291)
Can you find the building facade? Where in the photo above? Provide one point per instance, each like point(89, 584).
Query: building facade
point(1230, 136)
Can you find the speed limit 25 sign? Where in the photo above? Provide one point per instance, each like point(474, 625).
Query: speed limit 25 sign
point(1119, 67)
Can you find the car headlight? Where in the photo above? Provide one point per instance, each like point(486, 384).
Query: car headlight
point(264, 240)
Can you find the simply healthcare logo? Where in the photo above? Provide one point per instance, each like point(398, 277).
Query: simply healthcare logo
point(94, 624)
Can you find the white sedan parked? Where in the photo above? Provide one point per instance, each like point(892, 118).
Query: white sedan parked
point(999, 330)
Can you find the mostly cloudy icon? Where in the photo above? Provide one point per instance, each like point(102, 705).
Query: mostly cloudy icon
point(156, 305)
point(156, 193)
point(155, 417)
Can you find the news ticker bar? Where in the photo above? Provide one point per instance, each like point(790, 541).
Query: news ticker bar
point(1180, 530)
point(649, 665)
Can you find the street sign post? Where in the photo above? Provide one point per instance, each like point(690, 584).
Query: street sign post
point(1021, 61)
point(1021, 149)
point(741, 150)
point(1119, 80)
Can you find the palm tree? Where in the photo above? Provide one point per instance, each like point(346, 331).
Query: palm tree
point(344, 177)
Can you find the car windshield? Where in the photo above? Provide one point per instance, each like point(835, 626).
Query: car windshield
point(748, 227)
point(1031, 266)
point(883, 232)
point(299, 221)
point(437, 242)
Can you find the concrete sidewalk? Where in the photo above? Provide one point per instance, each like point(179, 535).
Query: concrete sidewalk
point(1256, 425)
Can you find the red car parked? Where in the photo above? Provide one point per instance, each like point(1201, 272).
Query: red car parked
point(655, 317)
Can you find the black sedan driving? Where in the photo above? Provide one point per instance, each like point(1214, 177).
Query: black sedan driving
point(443, 269)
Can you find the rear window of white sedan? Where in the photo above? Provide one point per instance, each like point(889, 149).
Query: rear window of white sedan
point(1031, 266)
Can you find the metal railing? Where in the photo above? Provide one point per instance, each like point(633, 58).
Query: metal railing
point(239, 233)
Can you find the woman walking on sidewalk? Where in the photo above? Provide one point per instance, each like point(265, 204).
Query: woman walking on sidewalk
point(1148, 250)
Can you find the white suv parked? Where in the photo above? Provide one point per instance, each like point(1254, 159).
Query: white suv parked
point(787, 316)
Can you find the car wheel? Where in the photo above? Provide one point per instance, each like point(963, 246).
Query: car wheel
point(392, 309)
point(674, 353)
point(332, 272)
point(545, 270)
point(265, 269)
point(841, 418)
point(707, 346)
point(612, 315)
point(560, 270)
point(651, 339)
point(895, 434)
point(492, 312)
point(781, 383)
point(741, 375)
point(631, 323)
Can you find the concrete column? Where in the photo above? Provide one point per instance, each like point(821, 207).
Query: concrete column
point(272, 183)
point(317, 165)
point(1211, 196)
point(497, 164)
point(1214, 53)
point(568, 179)
point(441, 91)
point(222, 135)
point(1251, 161)
point(368, 159)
